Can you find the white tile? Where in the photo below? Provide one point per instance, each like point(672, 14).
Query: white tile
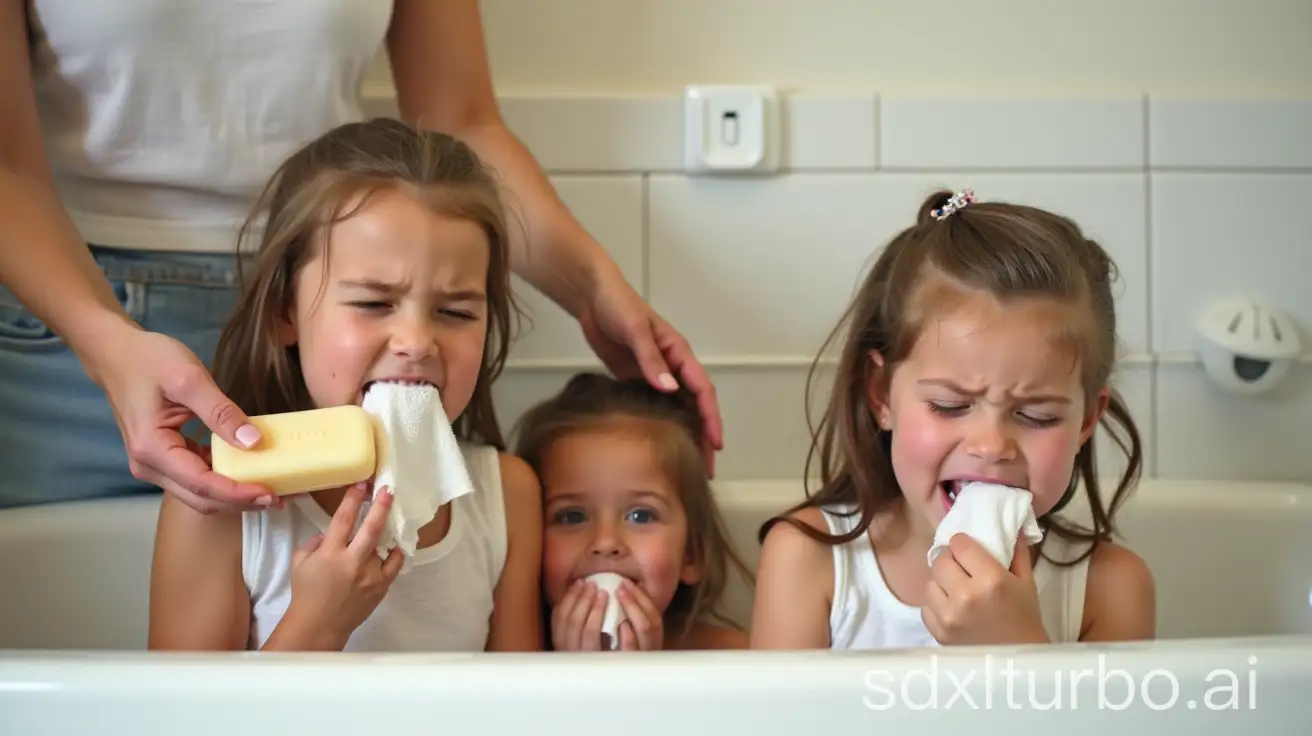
point(1134, 382)
point(1274, 134)
point(765, 425)
point(830, 132)
point(763, 439)
point(610, 208)
point(776, 261)
point(1206, 434)
point(764, 267)
point(1220, 235)
point(924, 133)
point(517, 390)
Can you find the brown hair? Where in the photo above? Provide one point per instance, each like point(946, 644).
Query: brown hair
point(308, 194)
point(1008, 251)
point(591, 401)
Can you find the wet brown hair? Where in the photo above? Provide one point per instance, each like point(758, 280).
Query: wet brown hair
point(1007, 251)
point(592, 402)
point(326, 182)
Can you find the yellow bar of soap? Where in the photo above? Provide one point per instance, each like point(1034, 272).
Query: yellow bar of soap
point(303, 451)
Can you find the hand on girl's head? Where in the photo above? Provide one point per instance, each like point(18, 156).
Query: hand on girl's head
point(338, 579)
point(971, 599)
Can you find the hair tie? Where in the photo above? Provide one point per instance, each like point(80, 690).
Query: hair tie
point(958, 201)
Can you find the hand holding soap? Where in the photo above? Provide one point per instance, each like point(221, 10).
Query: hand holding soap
point(303, 451)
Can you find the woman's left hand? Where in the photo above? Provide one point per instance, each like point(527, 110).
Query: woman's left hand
point(974, 600)
point(642, 628)
point(631, 339)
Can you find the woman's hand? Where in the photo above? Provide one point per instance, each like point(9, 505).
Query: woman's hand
point(338, 579)
point(974, 600)
point(632, 340)
point(155, 384)
point(643, 628)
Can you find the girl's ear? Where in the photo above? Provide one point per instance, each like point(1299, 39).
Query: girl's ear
point(877, 391)
point(287, 329)
point(1095, 414)
point(691, 572)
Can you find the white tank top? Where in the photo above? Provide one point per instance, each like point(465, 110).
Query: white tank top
point(164, 118)
point(443, 600)
point(866, 615)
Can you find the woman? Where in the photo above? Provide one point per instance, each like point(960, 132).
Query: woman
point(141, 128)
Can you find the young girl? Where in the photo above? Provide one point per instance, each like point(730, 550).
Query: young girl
point(382, 258)
point(980, 348)
point(625, 491)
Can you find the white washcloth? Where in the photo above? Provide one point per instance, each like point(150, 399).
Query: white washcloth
point(610, 622)
point(419, 459)
point(993, 515)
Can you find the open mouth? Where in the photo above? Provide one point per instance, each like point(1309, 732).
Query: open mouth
point(950, 490)
point(364, 390)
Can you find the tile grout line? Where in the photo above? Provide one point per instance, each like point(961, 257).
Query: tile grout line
point(1150, 332)
point(644, 240)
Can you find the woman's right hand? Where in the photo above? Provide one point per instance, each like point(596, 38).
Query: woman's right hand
point(155, 384)
point(338, 579)
point(576, 620)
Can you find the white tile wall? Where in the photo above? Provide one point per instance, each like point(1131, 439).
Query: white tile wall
point(1196, 200)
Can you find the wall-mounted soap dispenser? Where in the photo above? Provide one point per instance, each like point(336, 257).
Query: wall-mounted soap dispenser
point(1246, 346)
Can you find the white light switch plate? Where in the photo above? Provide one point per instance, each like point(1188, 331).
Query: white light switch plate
point(731, 129)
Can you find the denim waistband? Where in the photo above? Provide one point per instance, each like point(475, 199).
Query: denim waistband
point(166, 267)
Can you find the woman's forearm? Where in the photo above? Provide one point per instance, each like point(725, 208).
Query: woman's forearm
point(550, 249)
point(45, 263)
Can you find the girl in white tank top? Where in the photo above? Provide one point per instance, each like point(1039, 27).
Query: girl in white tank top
point(979, 347)
point(408, 284)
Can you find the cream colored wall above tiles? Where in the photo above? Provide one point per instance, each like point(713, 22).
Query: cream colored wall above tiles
point(1223, 48)
point(1196, 201)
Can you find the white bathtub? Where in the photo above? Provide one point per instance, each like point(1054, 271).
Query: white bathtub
point(1233, 564)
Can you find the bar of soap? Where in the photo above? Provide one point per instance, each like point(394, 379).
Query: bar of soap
point(303, 451)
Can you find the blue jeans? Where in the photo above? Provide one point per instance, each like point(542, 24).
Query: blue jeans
point(58, 438)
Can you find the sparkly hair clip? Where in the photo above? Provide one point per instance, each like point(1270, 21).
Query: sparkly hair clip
point(958, 201)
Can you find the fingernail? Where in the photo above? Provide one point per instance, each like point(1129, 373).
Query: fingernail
point(248, 435)
point(667, 381)
point(265, 500)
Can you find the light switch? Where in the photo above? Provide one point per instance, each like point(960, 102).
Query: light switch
point(731, 128)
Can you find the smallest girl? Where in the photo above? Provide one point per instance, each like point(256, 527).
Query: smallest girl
point(625, 491)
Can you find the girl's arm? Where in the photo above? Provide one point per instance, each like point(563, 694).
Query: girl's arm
point(517, 602)
point(198, 600)
point(794, 584)
point(1120, 600)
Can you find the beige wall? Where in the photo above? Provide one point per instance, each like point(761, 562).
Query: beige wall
point(1165, 47)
